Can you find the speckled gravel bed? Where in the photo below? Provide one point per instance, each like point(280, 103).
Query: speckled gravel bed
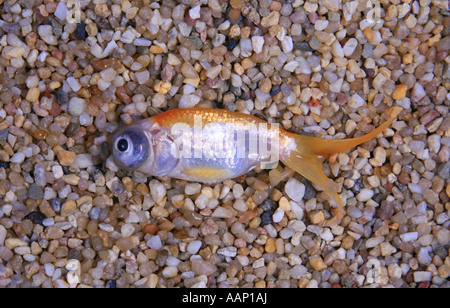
point(70, 75)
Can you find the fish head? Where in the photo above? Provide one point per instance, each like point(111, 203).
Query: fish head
point(144, 146)
point(131, 147)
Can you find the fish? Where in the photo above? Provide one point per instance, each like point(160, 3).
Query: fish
point(212, 145)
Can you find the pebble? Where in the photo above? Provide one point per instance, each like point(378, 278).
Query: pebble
point(420, 276)
point(295, 189)
point(188, 101)
point(194, 246)
point(278, 215)
point(35, 192)
point(157, 190)
point(76, 106)
point(202, 267)
point(66, 158)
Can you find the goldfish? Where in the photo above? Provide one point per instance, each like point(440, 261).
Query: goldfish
point(213, 145)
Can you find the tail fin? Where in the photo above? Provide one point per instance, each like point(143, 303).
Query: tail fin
point(310, 153)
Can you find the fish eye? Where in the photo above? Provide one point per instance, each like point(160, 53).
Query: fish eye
point(122, 145)
point(131, 148)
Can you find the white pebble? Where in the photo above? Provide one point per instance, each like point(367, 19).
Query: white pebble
point(365, 194)
point(192, 188)
point(287, 44)
point(294, 189)
point(73, 84)
point(154, 243)
point(350, 47)
point(127, 230)
point(194, 12)
point(278, 215)
point(170, 272)
point(142, 42)
point(355, 101)
point(194, 246)
point(77, 106)
point(420, 276)
point(157, 190)
point(57, 171)
point(61, 11)
point(18, 158)
point(188, 101)
point(257, 43)
point(142, 77)
point(46, 33)
point(409, 236)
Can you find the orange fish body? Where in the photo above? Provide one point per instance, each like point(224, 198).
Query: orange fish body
point(212, 145)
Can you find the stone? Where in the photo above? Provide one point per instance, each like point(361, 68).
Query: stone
point(188, 101)
point(66, 158)
point(194, 12)
point(317, 263)
point(61, 11)
point(192, 188)
point(278, 215)
point(355, 101)
point(332, 5)
point(76, 106)
point(417, 93)
point(35, 192)
point(399, 91)
point(295, 189)
point(270, 20)
point(194, 246)
point(365, 194)
point(157, 190)
point(420, 276)
point(202, 267)
point(154, 242)
point(350, 47)
point(257, 43)
point(46, 33)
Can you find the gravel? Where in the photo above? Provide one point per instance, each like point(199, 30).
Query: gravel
point(70, 218)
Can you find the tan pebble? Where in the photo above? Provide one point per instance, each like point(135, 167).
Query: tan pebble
point(265, 85)
point(394, 111)
point(407, 58)
point(247, 63)
point(162, 87)
point(237, 4)
point(4, 125)
point(12, 243)
point(317, 217)
point(270, 246)
point(275, 6)
point(270, 20)
point(347, 242)
point(68, 208)
point(399, 91)
point(156, 49)
point(284, 204)
point(71, 179)
point(317, 263)
point(368, 33)
point(66, 158)
point(152, 281)
point(33, 95)
point(234, 14)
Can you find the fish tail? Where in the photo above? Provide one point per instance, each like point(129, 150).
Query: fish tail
point(309, 153)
